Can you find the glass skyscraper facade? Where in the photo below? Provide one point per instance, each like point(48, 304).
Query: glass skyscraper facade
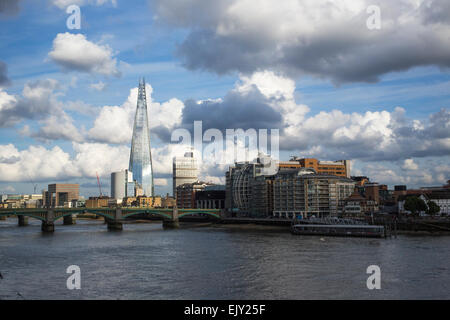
point(141, 156)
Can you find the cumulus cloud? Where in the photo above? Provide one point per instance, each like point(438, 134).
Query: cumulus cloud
point(38, 100)
point(42, 164)
point(266, 100)
point(7, 104)
point(327, 39)
point(114, 124)
point(58, 128)
point(409, 164)
point(73, 52)
point(430, 171)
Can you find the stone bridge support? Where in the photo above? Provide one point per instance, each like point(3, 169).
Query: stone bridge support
point(172, 223)
point(116, 223)
point(69, 220)
point(23, 220)
point(48, 225)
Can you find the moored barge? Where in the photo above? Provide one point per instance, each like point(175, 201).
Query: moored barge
point(339, 230)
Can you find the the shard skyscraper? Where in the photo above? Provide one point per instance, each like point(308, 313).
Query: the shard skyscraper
point(141, 155)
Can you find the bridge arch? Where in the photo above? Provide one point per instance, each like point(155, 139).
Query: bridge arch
point(30, 215)
point(160, 213)
point(215, 214)
point(99, 213)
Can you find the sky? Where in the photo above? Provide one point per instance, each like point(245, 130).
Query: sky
point(362, 80)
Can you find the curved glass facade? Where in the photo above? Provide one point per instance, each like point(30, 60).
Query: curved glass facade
point(141, 155)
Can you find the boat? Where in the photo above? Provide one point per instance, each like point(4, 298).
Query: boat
point(339, 230)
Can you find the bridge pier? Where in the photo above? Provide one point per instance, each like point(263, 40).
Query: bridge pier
point(47, 226)
point(23, 221)
point(116, 223)
point(69, 220)
point(173, 223)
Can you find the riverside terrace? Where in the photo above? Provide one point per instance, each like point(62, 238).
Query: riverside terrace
point(113, 216)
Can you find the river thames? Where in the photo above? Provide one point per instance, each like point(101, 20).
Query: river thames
point(215, 262)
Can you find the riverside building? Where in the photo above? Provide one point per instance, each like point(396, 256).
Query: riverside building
point(339, 168)
point(253, 190)
point(304, 193)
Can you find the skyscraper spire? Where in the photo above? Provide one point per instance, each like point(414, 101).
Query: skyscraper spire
point(140, 155)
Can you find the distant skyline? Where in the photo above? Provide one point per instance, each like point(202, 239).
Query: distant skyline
point(334, 88)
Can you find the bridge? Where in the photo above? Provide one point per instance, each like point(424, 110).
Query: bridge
point(113, 216)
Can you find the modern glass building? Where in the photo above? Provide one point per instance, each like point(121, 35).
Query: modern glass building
point(141, 156)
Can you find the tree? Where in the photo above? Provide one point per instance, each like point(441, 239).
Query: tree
point(433, 208)
point(415, 204)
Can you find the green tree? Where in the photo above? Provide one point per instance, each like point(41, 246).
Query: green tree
point(415, 204)
point(433, 208)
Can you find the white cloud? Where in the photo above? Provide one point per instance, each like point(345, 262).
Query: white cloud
point(114, 124)
point(73, 52)
point(7, 104)
point(409, 164)
point(58, 128)
point(38, 100)
point(41, 164)
point(99, 86)
point(327, 39)
point(36, 162)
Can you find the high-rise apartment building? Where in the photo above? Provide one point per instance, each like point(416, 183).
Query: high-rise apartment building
point(184, 171)
point(141, 156)
point(306, 193)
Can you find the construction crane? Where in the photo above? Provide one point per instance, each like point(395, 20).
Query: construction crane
point(99, 185)
point(34, 184)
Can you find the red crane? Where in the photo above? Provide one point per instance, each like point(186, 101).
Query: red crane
point(99, 186)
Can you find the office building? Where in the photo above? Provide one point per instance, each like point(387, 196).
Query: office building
point(140, 155)
point(97, 202)
point(185, 194)
point(59, 194)
point(122, 185)
point(211, 197)
point(184, 171)
point(339, 168)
